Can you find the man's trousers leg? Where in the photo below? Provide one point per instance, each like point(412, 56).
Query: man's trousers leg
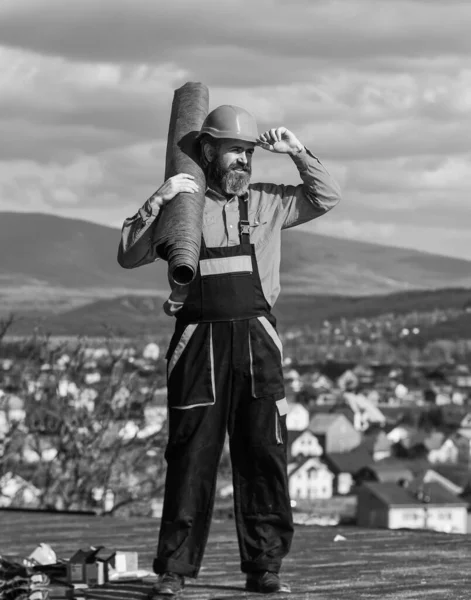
point(259, 463)
point(195, 443)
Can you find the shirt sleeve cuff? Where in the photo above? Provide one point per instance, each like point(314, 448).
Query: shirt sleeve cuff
point(147, 212)
point(304, 158)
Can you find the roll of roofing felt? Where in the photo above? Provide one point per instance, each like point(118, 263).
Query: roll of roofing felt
point(178, 234)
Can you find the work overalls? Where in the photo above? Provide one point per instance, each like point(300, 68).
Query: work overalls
point(225, 372)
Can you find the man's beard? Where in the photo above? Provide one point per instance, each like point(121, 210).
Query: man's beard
point(232, 181)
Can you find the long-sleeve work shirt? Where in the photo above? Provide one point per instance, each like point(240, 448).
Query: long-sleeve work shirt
point(271, 208)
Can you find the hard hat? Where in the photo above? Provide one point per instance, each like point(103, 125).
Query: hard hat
point(231, 122)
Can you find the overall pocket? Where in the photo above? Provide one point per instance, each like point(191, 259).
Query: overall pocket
point(190, 368)
point(266, 359)
point(281, 411)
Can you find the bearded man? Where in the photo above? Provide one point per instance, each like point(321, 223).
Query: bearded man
point(225, 358)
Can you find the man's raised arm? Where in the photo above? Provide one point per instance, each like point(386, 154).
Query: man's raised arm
point(316, 195)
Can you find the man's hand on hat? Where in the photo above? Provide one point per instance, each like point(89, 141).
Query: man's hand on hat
point(280, 140)
point(183, 182)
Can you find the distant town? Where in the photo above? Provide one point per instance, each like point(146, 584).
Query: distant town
point(379, 424)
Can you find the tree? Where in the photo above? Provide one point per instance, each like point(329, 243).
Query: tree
point(85, 446)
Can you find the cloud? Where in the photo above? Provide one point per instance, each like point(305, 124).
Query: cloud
point(139, 30)
point(49, 106)
point(379, 90)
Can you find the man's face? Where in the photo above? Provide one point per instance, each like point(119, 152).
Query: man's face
point(231, 167)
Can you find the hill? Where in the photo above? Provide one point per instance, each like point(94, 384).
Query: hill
point(325, 265)
point(130, 315)
point(40, 253)
point(66, 271)
point(40, 249)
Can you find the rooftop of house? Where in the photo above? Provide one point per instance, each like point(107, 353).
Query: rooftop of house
point(293, 435)
point(435, 440)
point(397, 495)
point(376, 441)
point(460, 475)
point(349, 462)
point(307, 462)
point(321, 422)
point(369, 563)
point(394, 469)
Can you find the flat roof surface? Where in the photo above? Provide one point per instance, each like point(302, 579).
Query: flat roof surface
point(370, 563)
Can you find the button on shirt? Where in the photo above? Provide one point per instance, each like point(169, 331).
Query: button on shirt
point(271, 209)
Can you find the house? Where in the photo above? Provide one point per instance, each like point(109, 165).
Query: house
point(297, 418)
point(435, 446)
point(309, 480)
point(443, 398)
point(335, 432)
point(458, 397)
point(365, 375)
point(427, 506)
point(322, 384)
point(433, 475)
point(344, 466)
point(377, 443)
point(373, 396)
point(348, 381)
point(441, 449)
point(458, 475)
point(412, 446)
point(460, 377)
point(151, 352)
point(92, 377)
point(466, 421)
point(401, 433)
point(303, 443)
point(389, 471)
point(292, 380)
point(6, 364)
point(364, 412)
point(455, 416)
point(462, 439)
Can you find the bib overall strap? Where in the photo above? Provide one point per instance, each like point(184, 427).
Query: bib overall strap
point(244, 225)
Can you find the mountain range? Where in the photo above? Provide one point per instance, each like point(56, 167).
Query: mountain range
point(53, 265)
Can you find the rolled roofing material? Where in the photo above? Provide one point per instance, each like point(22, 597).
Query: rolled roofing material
point(178, 234)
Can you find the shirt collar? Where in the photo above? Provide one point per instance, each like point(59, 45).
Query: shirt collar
point(217, 196)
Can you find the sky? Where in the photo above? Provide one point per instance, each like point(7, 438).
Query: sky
point(379, 90)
